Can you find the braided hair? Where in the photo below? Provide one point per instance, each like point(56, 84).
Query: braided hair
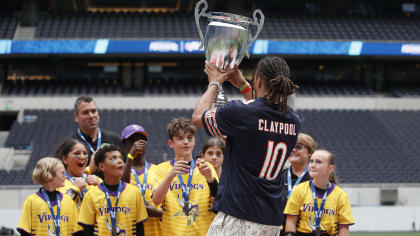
point(276, 73)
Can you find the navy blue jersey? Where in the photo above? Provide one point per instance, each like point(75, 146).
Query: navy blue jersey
point(259, 140)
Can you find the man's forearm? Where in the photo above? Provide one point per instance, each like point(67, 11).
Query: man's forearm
point(203, 104)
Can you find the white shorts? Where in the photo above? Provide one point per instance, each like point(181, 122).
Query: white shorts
point(228, 225)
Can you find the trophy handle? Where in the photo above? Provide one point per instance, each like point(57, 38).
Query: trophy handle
point(259, 25)
point(197, 15)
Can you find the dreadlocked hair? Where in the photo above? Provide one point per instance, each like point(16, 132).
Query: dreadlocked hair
point(276, 72)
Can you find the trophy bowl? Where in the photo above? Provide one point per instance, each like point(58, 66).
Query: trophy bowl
point(227, 40)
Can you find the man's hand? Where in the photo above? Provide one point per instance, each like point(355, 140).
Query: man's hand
point(236, 77)
point(138, 148)
point(92, 180)
point(205, 170)
point(215, 74)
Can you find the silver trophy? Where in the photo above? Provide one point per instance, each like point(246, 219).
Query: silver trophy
point(228, 38)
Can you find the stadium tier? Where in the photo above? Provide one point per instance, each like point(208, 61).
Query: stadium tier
point(170, 26)
point(8, 23)
point(195, 86)
point(370, 146)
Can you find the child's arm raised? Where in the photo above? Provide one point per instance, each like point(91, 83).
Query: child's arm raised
point(180, 167)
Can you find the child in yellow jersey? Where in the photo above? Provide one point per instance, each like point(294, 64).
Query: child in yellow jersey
point(74, 156)
point(319, 207)
point(139, 172)
point(186, 185)
point(113, 207)
point(48, 212)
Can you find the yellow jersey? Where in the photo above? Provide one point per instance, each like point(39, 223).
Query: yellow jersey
point(174, 220)
point(130, 210)
point(36, 217)
point(336, 211)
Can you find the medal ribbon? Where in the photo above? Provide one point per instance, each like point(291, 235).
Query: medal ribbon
point(289, 181)
point(186, 189)
point(113, 210)
point(142, 187)
point(83, 192)
point(98, 144)
point(56, 219)
point(318, 212)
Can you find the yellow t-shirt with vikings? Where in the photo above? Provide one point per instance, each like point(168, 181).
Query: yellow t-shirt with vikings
point(336, 211)
point(174, 220)
point(130, 210)
point(36, 217)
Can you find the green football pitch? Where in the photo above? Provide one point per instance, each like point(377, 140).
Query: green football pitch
point(386, 234)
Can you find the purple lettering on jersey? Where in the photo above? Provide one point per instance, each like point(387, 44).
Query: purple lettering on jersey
point(105, 210)
point(100, 211)
point(42, 218)
point(64, 218)
point(175, 186)
point(45, 217)
point(307, 207)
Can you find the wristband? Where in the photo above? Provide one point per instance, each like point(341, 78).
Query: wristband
point(290, 234)
point(214, 83)
point(246, 90)
point(130, 156)
point(88, 170)
point(246, 85)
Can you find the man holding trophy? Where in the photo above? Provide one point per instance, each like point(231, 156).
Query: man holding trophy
point(261, 132)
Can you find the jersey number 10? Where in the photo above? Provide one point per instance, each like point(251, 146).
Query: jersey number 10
point(271, 160)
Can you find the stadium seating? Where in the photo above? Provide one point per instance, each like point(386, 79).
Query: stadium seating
point(164, 26)
point(60, 87)
point(180, 87)
point(8, 23)
point(370, 146)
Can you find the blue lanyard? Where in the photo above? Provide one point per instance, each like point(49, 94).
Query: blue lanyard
point(186, 189)
point(56, 219)
point(142, 187)
point(289, 181)
point(318, 212)
point(83, 192)
point(113, 210)
point(98, 144)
